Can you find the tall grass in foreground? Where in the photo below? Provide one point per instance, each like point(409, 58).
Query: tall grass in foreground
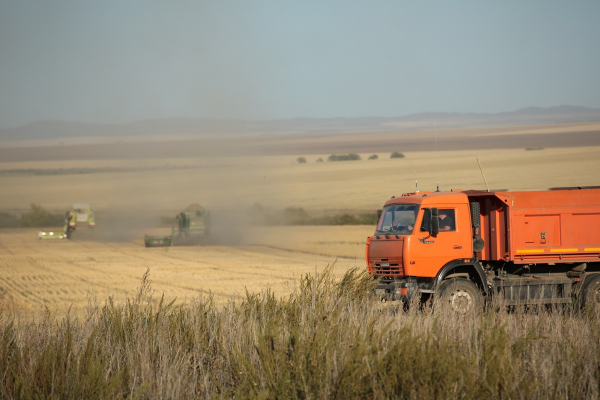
point(329, 339)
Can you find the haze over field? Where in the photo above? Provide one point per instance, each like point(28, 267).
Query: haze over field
point(195, 128)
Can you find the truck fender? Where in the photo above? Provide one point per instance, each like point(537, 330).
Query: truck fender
point(471, 264)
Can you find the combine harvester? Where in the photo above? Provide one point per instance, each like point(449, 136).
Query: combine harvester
point(78, 214)
point(81, 213)
point(190, 227)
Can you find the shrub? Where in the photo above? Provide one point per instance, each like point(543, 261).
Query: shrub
point(373, 157)
point(8, 220)
point(320, 160)
point(396, 155)
point(301, 160)
point(39, 217)
point(344, 157)
point(295, 216)
point(347, 219)
point(262, 216)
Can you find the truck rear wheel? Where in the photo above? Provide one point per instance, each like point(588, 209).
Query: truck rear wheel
point(461, 296)
point(590, 292)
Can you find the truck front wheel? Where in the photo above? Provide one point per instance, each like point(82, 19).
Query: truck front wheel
point(460, 295)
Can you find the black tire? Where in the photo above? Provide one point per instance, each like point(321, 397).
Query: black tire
point(590, 292)
point(460, 295)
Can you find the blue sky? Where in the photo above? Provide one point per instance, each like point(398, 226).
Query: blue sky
point(119, 61)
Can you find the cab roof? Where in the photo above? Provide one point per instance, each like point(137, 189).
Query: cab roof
point(462, 196)
point(453, 197)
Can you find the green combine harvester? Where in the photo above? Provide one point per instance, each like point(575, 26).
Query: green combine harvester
point(77, 215)
point(191, 226)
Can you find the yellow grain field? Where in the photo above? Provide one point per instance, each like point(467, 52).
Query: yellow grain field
point(37, 274)
point(279, 182)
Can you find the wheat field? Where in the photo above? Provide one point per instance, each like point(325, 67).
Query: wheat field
point(278, 181)
point(64, 274)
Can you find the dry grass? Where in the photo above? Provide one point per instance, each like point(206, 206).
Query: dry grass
point(328, 339)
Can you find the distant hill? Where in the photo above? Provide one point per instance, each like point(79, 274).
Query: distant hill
point(524, 116)
point(200, 128)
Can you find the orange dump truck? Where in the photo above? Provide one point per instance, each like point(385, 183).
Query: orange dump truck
point(467, 247)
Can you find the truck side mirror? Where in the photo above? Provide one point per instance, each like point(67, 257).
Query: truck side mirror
point(379, 214)
point(435, 221)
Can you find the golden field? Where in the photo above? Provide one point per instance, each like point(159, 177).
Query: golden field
point(59, 274)
point(279, 182)
point(37, 274)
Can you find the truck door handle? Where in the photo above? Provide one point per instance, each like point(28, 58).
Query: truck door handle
point(457, 247)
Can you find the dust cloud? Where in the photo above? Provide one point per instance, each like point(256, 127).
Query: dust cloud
point(145, 194)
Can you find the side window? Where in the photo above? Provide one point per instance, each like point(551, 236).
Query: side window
point(425, 225)
point(447, 219)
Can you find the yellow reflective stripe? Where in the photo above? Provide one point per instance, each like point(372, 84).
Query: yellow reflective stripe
point(557, 250)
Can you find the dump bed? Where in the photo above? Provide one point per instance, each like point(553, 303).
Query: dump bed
point(541, 226)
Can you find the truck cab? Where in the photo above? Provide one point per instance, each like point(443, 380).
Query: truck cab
point(417, 236)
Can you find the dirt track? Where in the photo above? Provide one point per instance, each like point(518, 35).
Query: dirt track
point(57, 274)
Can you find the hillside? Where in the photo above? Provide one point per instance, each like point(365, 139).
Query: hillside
point(191, 128)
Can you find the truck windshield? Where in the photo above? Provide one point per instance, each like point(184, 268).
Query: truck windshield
point(398, 219)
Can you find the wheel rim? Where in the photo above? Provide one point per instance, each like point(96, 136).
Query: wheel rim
point(461, 301)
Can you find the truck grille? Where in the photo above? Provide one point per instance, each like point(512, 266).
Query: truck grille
point(386, 270)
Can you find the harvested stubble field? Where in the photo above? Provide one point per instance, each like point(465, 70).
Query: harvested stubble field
point(61, 274)
point(129, 195)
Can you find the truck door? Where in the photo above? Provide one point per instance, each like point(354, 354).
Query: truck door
point(430, 253)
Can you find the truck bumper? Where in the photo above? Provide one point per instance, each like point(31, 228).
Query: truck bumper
point(400, 289)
